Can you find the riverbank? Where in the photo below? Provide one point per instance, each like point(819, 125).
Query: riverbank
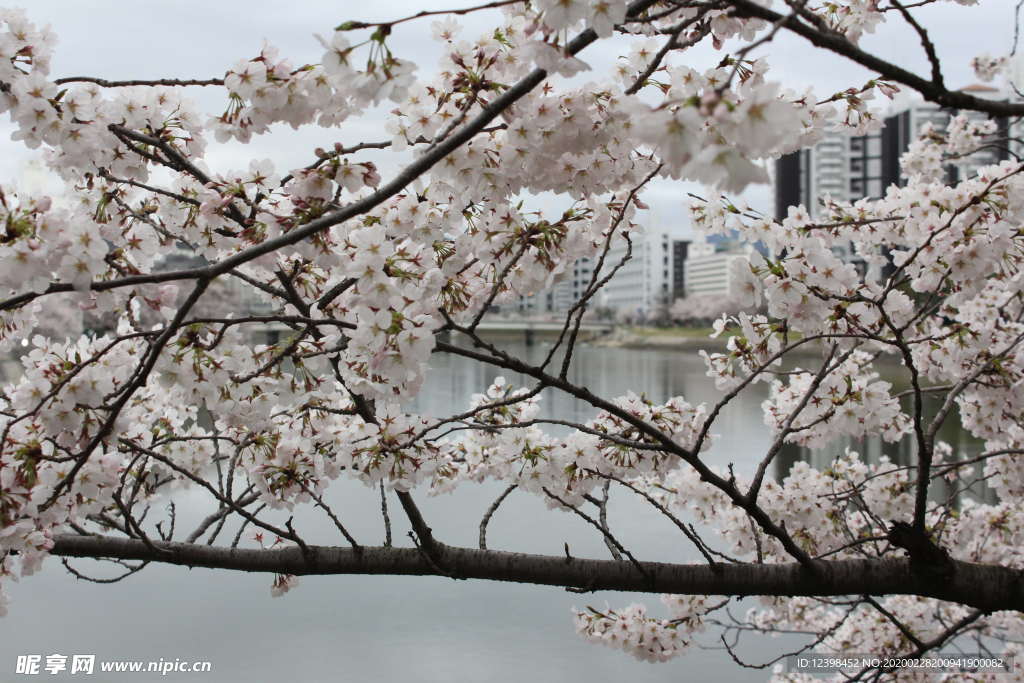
point(688, 339)
point(668, 338)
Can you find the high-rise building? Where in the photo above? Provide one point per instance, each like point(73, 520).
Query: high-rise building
point(709, 267)
point(680, 250)
point(851, 167)
point(645, 285)
point(560, 296)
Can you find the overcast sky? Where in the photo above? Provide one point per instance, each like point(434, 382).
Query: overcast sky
point(192, 38)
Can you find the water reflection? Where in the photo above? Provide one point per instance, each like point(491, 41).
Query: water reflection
point(742, 437)
point(609, 373)
point(902, 453)
point(415, 628)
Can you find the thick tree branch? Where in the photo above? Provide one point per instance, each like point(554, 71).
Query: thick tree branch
point(988, 588)
point(837, 43)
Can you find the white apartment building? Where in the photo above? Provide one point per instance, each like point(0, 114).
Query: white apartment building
point(642, 288)
point(560, 296)
point(709, 268)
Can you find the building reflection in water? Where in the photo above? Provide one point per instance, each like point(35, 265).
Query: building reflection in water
point(900, 453)
point(660, 374)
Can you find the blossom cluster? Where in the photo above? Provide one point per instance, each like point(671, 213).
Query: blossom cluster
point(851, 401)
point(562, 470)
point(644, 637)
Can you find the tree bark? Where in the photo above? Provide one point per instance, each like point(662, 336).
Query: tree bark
point(986, 587)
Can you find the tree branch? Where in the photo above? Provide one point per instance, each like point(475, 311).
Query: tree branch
point(839, 44)
point(985, 587)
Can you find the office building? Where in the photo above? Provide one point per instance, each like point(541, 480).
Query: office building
point(647, 284)
point(851, 167)
point(709, 267)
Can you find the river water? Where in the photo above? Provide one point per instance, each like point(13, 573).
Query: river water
point(357, 628)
